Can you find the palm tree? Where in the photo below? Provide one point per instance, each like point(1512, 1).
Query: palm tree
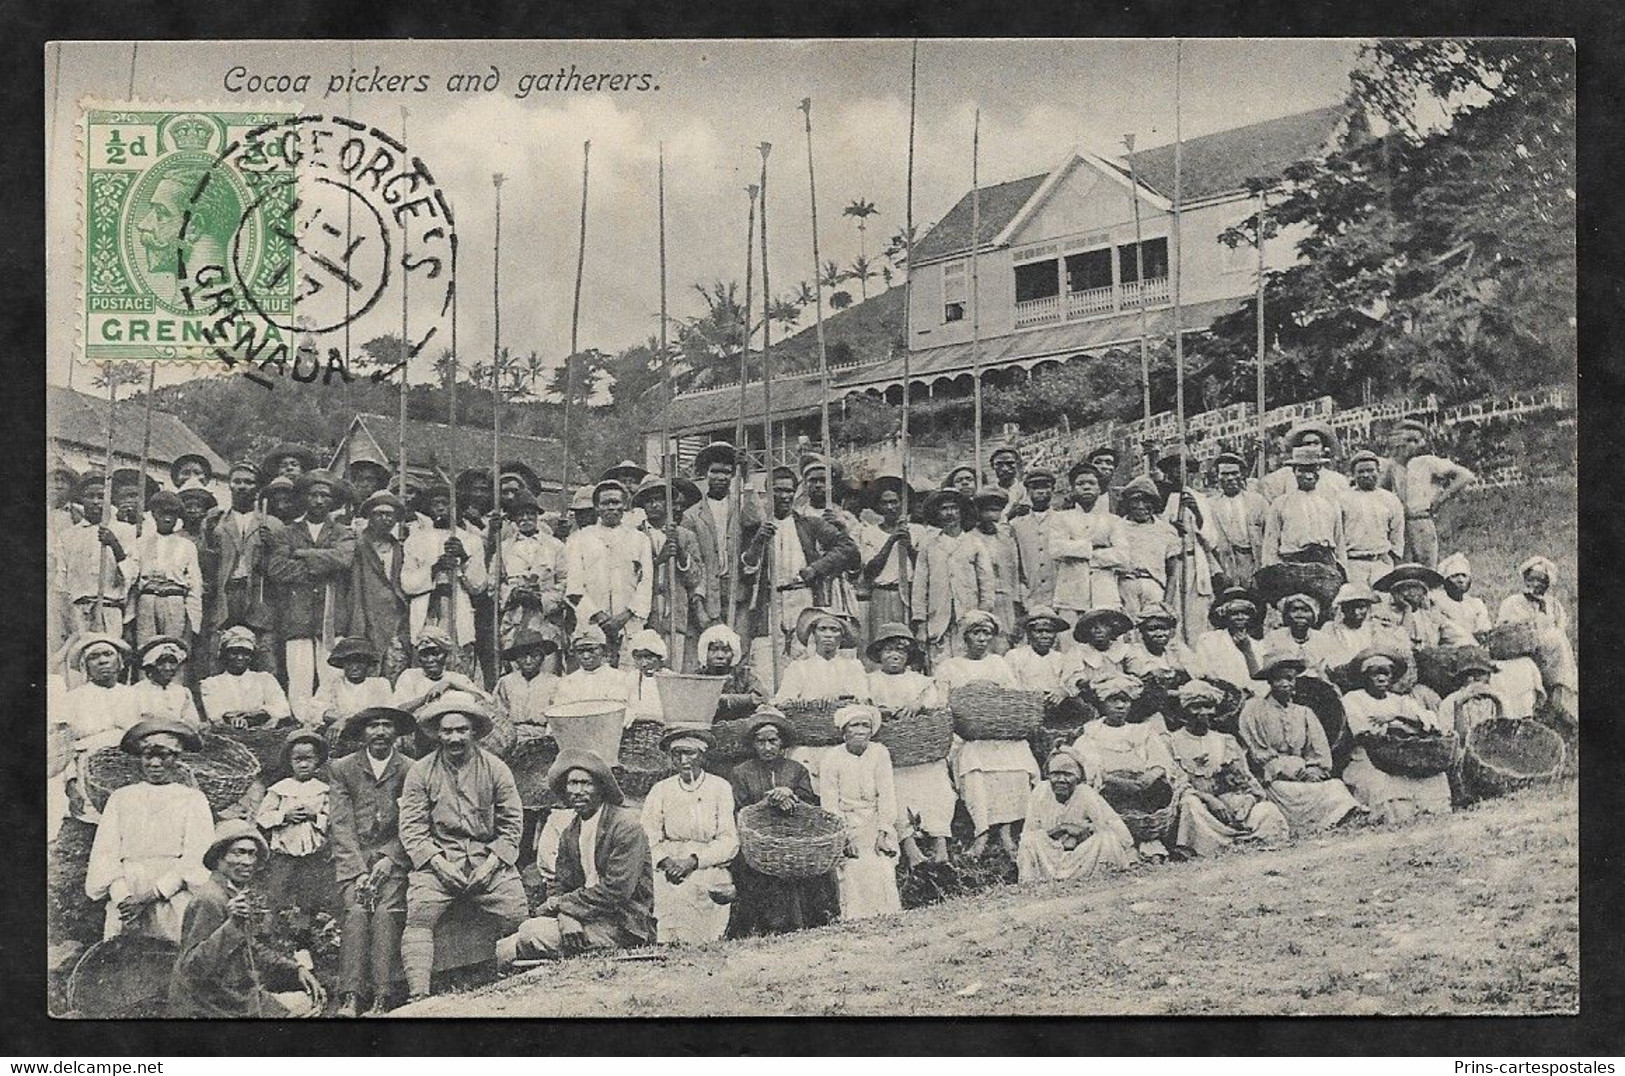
point(785, 311)
point(896, 250)
point(862, 209)
point(831, 275)
point(804, 294)
point(885, 276)
point(862, 272)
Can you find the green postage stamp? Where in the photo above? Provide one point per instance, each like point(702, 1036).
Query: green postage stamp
point(158, 206)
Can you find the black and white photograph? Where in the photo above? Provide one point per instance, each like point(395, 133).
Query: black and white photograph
point(811, 528)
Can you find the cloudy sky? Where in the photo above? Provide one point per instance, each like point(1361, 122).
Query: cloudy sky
point(714, 102)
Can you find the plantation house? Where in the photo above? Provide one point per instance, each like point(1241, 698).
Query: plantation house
point(1057, 278)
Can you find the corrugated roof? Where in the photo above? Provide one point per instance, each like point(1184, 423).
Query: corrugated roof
point(437, 445)
point(79, 418)
point(1215, 164)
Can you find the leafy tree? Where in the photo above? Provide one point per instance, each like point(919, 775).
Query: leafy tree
point(840, 300)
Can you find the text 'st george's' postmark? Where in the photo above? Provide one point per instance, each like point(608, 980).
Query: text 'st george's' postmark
point(260, 240)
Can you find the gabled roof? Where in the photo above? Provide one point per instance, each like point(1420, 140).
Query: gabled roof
point(435, 445)
point(80, 419)
point(1212, 165)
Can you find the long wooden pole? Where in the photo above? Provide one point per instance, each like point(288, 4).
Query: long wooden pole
point(741, 449)
point(1259, 302)
point(668, 468)
point(1186, 540)
point(976, 294)
point(767, 428)
point(1139, 276)
point(575, 321)
point(497, 179)
point(823, 355)
point(109, 372)
point(146, 447)
point(904, 588)
point(456, 519)
point(405, 352)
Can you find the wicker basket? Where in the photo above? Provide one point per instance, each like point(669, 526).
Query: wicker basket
point(1436, 667)
point(110, 768)
point(984, 711)
point(530, 761)
point(224, 770)
point(802, 843)
point(58, 750)
point(1520, 639)
point(1506, 753)
point(1227, 718)
point(813, 721)
point(1320, 581)
point(1413, 756)
point(731, 746)
point(589, 725)
point(265, 743)
point(1148, 814)
point(689, 698)
point(640, 745)
point(921, 738)
point(1322, 698)
point(636, 783)
point(124, 977)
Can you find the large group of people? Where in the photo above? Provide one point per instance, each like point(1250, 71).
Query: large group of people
point(402, 647)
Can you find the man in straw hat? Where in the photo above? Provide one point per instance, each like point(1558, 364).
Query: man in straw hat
point(1373, 521)
point(461, 821)
point(443, 568)
point(224, 969)
point(95, 565)
point(526, 691)
point(723, 528)
point(190, 467)
point(1237, 515)
point(953, 577)
point(605, 897)
point(370, 862)
point(1305, 525)
point(1319, 446)
point(531, 590)
point(1423, 482)
point(677, 554)
point(1288, 748)
point(168, 590)
point(378, 605)
point(689, 819)
point(312, 559)
point(796, 563)
point(237, 543)
point(924, 791)
point(1375, 712)
point(609, 570)
point(288, 461)
point(147, 857)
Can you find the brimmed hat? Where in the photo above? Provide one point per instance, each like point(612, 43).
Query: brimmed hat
point(1229, 457)
point(1103, 450)
point(228, 833)
point(881, 483)
point(522, 472)
point(175, 466)
point(589, 634)
point(784, 471)
point(469, 476)
point(299, 736)
point(581, 500)
point(1294, 436)
point(246, 466)
point(683, 491)
point(1038, 476)
point(165, 501)
point(318, 477)
point(432, 636)
point(1116, 618)
point(1040, 615)
point(473, 707)
point(1004, 450)
point(890, 632)
point(1354, 592)
point(161, 646)
point(810, 618)
point(1085, 467)
point(357, 722)
point(575, 758)
point(1140, 486)
point(627, 472)
point(128, 476)
point(1154, 612)
point(768, 714)
point(1170, 455)
point(1409, 573)
point(522, 501)
point(1227, 600)
point(362, 465)
point(1398, 662)
point(991, 498)
point(948, 479)
point(238, 637)
point(822, 463)
point(306, 458)
point(1276, 660)
point(858, 711)
point(529, 639)
point(715, 452)
point(606, 486)
point(383, 498)
point(648, 641)
point(130, 742)
point(934, 503)
point(193, 490)
point(1472, 659)
point(687, 732)
point(978, 618)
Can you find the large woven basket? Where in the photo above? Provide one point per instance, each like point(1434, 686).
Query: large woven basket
point(636, 783)
point(1322, 698)
point(110, 768)
point(731, 747)
point(123, 977)
point(918, 739)
point(1320, 581)
point(1227, 718)
point(984, 711)
point(1519, 639)
point(1413, 756)
point(1436, 667)
point(1507, 753)
point(802, 843)
point(58, 750)
point(689, 698)
point(1149, 815)
point(640, 745)
point(589, 725)
point(530, 761)
point(265, 742)
point(224, 770)
point(813, 721)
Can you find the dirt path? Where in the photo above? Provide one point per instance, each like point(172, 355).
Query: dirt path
point(1477, 913)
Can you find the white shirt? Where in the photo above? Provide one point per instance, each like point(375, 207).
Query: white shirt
point(379, 765)
point(721, 511)
point(253, 690)
point(589, 845)
point(611, 570)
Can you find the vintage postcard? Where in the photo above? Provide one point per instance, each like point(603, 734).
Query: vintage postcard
point(811, 528)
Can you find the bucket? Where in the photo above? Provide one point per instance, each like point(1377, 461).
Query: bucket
point(689, 698)
point(589, 725)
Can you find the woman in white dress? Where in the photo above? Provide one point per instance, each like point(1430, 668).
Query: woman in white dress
point(1224, 803)
point(239, 696)
point(822, 672)
point(1230, 652)
point(97, 712)
point(1372, 712)
point(856, 783)
point(689, 818)
point(161, 693)
point(995, 777)
point(925, 793)
point(1300, 635)
point(1132, 756)
point(1538, 605)
point(1071, 831)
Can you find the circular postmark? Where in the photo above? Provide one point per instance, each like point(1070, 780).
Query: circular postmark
point(339, 229)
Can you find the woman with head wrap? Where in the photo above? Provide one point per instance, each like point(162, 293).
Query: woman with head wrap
point(148, 851)
point(1231, 651)
point(689, 818)
point(720, 653)
point(823, 671)
point(1300, 634)
point(855, 782)
point(238, 695)
point(1467, 610)
point(416, 688)
point(765, 904)
point(96, 712)
point(1374, 712)
point(1538, 605)
point(1133, 757)
point(161, 693)
point(925, 793)
point(1071, 831)
point(649, 656)
point(1224, 804)
point(994, 776)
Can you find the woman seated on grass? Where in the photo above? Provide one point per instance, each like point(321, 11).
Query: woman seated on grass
point(1133, 757)
point(1287, 745)
point(1070, 832)
point(1374, 712)
point(1224, 803)
point(855, 782)
point(995, 777)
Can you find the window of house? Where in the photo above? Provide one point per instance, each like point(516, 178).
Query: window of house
point(1156, 261)
point(1089, 270)
point(955, 291)
point(1037, 280)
